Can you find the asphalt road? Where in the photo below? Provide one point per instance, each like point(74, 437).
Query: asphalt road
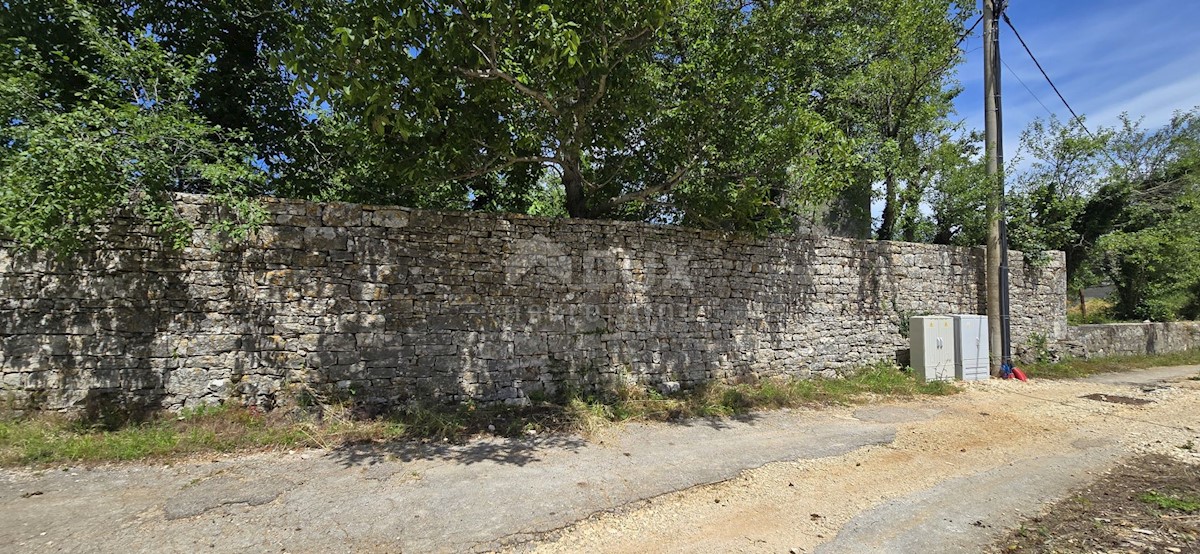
point(409, 498)
point(505, 493)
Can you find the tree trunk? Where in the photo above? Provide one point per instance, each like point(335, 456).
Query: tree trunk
point(888, 224)
point(572, 178)
point(910, 210)
point(943, 236)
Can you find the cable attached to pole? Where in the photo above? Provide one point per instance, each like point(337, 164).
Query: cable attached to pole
point(1078, 119)
point(1050, 81)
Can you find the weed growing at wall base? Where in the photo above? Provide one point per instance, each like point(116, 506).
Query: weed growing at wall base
point(590, 414)
point(50, 439)
point(1073, 368)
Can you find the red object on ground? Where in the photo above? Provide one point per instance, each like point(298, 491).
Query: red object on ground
point(1019, 374)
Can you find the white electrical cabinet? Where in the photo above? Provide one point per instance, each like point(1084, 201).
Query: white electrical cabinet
point(971, 347)
point(931, 346)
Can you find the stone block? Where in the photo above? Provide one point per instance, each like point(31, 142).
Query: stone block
point(368, 291)
point(342, 214)
point(390, 218)
point(280, 237)
point(324, 239)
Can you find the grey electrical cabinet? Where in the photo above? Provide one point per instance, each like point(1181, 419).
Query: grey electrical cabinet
point(971, 347)
point(931, 345)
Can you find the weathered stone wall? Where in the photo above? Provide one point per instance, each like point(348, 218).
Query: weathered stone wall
point(1131, 339)
point(394, 305)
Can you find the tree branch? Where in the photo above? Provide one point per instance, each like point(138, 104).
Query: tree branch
point(489, 167)
point(660, 188)
point(493, 74)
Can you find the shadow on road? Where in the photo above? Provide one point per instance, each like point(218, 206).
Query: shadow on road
point(499, 450)
point(506, 451)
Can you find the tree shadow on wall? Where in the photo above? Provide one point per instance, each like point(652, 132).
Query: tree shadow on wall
point(103, 331)
point(83, 339)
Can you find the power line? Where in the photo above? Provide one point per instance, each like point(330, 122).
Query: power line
point(964, 36)
point(1078, 119)
point(1027, 89)
point(1048, 80)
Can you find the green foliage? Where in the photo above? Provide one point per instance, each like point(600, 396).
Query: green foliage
point(124, 140)
point(1152, 254)
point(1039, 344)
point(1099, 311)
point(1123, 205)
point(1073, 368)
point(714, 114)
point(1049, 199)
point(897, 104)
point(548, 198)
point(729, 115)
point(957, 195)
point(1172, 502)
point(1157, 269)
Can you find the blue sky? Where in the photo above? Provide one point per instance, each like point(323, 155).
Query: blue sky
point(1106, 56)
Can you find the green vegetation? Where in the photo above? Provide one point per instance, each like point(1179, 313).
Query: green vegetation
point(753, 116)
point(1170, 502)
point(731, 115)
point(55, 438)
point(52, 439)
point(1099, 310)
point(1122, 203)
point(634, 404)
point(1069, 369)
point(104, 125)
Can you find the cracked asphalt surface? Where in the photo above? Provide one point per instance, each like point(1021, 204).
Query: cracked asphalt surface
point(845, 479)
point(416, 498)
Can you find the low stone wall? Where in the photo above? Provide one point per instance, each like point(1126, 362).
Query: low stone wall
point(1131, 339)
point(389, 305)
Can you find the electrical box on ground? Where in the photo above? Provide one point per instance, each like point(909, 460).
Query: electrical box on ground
point(971, 347)
point(931, 345)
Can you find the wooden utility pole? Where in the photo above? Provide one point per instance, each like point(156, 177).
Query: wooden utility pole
point(994, 146)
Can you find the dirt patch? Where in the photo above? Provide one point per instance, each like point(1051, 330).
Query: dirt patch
point(992, 427)
point(1151, 504)
point(1115, 399)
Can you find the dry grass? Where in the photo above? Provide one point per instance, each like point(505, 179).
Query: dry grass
point(54, 439)
point(1099, 310)
point(635, 404)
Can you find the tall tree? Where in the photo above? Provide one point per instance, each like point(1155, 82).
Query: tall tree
point(243, 87)
point(1049, 200)
point(900, 98)
point(1122, 203)
point(1150, 210)
point(702, 112)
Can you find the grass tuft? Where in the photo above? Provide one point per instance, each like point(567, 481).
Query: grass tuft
point(589, 414)
point(1172, 502)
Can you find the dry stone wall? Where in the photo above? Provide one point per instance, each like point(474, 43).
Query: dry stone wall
point(389, 305)
point(1130, 339)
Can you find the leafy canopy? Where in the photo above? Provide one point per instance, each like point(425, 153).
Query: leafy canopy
point(121, 137)
point(710, 113)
